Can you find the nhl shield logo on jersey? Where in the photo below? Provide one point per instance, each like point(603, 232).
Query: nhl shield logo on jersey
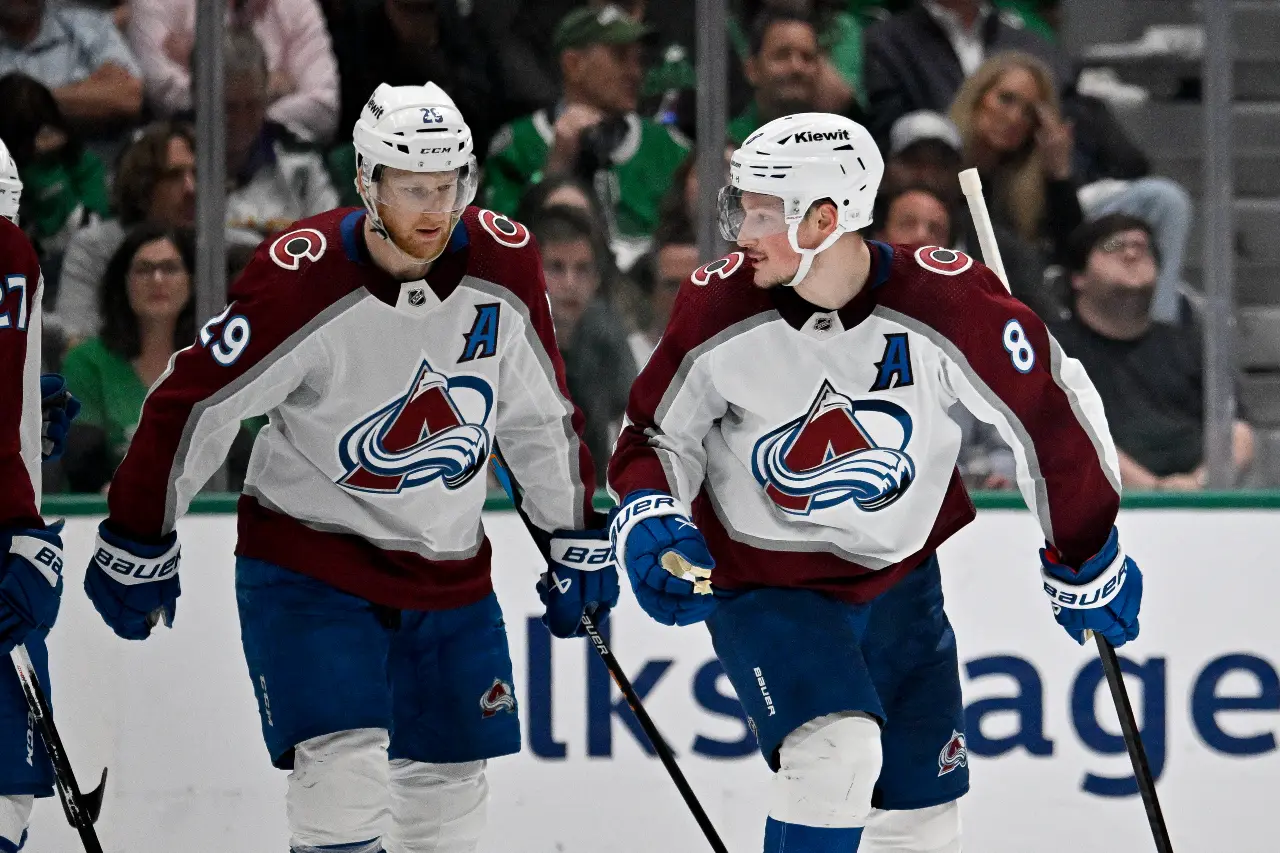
point(944, 261)
point(420, 437)
point(289, 249)
point(506, 231)
point(840, 450)
point(722, 268)
point(954, 754)
point(499, 698)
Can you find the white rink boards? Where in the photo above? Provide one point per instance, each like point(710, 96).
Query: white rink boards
point(174, 717)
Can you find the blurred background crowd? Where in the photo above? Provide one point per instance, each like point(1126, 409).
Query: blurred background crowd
point(1086, 137)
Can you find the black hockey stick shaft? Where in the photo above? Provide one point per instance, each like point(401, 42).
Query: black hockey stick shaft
point(81, 810)
point(619, 676)
point(1133, 742)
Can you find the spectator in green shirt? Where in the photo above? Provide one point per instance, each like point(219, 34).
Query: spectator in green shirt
point(148, 313)
point(65, 184)
point(593, 133)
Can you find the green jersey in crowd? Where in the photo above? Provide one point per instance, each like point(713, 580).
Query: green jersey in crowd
point(642, 167)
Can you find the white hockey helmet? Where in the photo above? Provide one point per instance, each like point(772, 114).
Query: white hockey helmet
point(10, 186)
point(801, 159)
point(416, 129)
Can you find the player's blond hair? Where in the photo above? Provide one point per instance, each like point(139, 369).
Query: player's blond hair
point(1019, 179)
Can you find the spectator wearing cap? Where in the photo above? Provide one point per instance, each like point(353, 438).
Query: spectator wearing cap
point(1149, 375)
point(784, 70)
point(155, 182)
point(918, 58)
point(594, 132)
point(76, 53)
point(302, 82)
point(925, 150)
point(598, 366)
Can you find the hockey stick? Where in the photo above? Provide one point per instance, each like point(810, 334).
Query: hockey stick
point(971, 186)
point(512, 488)
point(81, 809)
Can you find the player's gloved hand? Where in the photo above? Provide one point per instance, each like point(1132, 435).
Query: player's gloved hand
point(1102, 596)
point(132, 585)
point(648, 525)
point(581, 578)
point(57, 410)
point(30, 582)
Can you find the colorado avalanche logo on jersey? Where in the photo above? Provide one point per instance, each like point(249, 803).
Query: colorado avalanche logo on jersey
point(954, 754)
point(840, 450)
point(419, 437)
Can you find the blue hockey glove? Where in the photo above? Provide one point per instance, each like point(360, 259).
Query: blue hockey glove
point(58, 409)
point(134, 586)
point(30, 582)
point(1102, 596)
point(581, 578)
point(648, 525)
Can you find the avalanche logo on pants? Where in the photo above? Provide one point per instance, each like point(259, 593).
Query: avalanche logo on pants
point(497, 698)
point(418, 437)
point(954, 754)
point(840, 450)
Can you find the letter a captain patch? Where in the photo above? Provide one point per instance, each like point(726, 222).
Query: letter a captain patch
point(482, 340)
point(895, 364)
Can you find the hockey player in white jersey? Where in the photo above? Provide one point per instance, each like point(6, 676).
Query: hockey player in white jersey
point(791, 431)
point(391, 347)
point(30, 550)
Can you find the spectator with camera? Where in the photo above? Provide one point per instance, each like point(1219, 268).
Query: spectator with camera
point(594, 132)
point(1149, 375)
point(155, 182)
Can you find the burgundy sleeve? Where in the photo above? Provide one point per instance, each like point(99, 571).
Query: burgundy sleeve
point(20, 283)
point(192, 415)
point(1008, 370)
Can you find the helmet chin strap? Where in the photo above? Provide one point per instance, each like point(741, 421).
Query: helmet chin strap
point(807, 255)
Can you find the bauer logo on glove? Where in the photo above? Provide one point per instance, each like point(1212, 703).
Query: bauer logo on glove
point(128, 569)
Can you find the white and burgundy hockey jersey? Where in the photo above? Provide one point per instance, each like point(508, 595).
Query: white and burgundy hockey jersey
point(814, 447)
point(385, 399)
point(22, 286)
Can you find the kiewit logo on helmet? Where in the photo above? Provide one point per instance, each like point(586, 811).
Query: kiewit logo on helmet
point(819, 136)
point(375, 108)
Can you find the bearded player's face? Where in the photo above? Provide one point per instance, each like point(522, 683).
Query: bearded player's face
point(417, 209)
point(763, 238)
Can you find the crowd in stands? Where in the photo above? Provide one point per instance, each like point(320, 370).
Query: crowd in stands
point(584, 115)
